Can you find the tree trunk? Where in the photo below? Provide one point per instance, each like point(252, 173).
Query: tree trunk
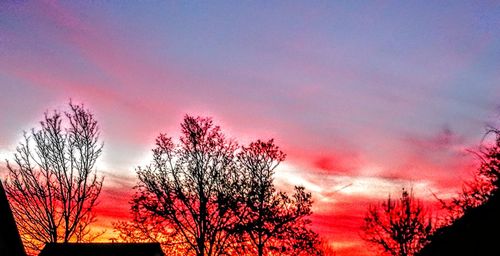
point(201, 247)
point(260, 249)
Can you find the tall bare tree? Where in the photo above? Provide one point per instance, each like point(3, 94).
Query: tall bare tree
point(398, 227)
point(191, 185)
point(52, 182)
point(272, 221)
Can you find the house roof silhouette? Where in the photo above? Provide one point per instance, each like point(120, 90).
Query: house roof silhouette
point(475, 233)
point(10, 241)
point(102, 249)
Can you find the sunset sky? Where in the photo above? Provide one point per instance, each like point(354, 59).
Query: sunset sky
point(364, 97)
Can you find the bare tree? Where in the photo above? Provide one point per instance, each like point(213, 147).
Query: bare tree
point(485, 182)
point(271, 220)
point(191, 185)
point(52, 182)
point(218, 198)
point(398, 228)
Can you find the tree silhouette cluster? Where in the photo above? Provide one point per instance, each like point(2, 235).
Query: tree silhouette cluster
point(52, 183)
point(204, 195)
point(215, 197)
point(469, 227)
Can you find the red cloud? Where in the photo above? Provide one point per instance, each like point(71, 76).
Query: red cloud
point(335, 163)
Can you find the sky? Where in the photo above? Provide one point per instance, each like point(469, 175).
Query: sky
point(364, 97)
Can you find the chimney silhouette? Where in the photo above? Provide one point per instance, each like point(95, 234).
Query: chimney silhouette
point(10, 241)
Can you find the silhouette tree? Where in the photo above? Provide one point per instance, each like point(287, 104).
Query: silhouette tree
point(473, 224)
point(271, 220)
point(52, 183)
point(192, 184)
point(398, 228)
point(490, 161)
point(485, 183)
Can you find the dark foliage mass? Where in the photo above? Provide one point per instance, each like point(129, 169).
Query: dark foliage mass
point(213, 197)
point(52, 183)
point(475, 233)
point(473, 226)
point(486, 180)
